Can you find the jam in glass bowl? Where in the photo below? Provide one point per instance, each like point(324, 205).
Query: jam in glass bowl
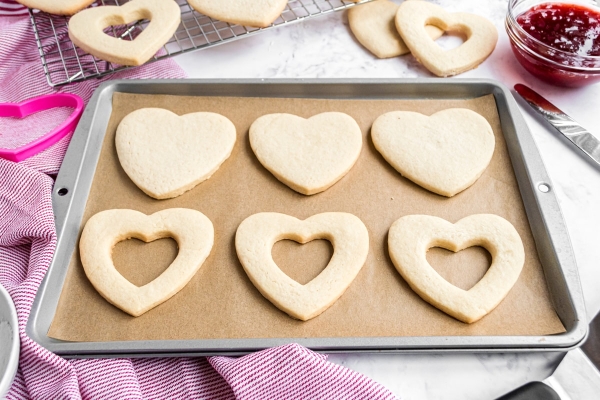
point(557, 41)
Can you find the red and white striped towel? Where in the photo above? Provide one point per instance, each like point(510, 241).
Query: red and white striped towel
point(27, 243)
point(12, 8)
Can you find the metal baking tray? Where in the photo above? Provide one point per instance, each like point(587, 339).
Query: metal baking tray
point(553, 244)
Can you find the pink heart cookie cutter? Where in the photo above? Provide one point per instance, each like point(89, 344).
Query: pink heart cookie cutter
point(37, 104)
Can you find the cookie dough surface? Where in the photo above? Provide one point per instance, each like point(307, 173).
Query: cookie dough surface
point(374, 26)
point(86, 30)
point(410, 238)
point(166, 155)
point(256, 236)
point(309, 155)
point(411, 21)
point(444, 153)
point(258, 13)
point(191, 229)
point(57, 7)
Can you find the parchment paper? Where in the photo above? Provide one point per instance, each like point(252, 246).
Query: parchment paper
point(221, 302)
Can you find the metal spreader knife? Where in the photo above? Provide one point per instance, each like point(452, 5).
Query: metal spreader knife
point(566, 125)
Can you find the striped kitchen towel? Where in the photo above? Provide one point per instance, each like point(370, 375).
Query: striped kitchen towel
point(27, 244)
point(22, 77)
point(11, 8)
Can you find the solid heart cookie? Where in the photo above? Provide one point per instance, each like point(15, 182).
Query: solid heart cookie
point(256, 236)
point(191, 229)
point(308, 155)
point(481, 34)
point(374, 26)
point(58, 7)
point(411, 236)
point(258, 13)
point(444, 153)
point(166, 155)
point(86, 30)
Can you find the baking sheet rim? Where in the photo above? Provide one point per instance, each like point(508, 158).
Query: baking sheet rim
point(65, 208)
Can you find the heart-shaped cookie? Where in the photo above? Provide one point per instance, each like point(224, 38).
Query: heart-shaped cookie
point(256, 236)
point(58, 7)
point(86, 30)
point(166, 155)
point(411, 236)
point(444, 153)
point(481, 34)
point(191, 229)
point(308, 155)
point(374, 26)
point(258, 13)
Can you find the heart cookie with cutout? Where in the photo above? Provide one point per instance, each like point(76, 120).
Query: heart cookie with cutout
point(191, 229)
point(256, 236)
point(412, 236)
point(166, 155)
point(481, 37)
point(57, 7)
point(444, 153)
point(373, 25)
point(258, 13)
point(86, 30)
point(309, 155)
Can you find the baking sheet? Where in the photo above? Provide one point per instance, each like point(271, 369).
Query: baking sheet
point(220, 302)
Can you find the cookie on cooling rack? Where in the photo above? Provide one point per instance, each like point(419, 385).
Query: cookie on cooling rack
point(58, 7)
point(258, 13)
point(86, 30)
point(373, 25)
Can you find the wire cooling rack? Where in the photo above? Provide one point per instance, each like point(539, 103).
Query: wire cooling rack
point(65, 63)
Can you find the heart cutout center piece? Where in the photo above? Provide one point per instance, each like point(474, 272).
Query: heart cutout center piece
point(410, 238)
point(254, 241)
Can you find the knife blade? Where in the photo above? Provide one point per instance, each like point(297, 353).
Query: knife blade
point(566, 125)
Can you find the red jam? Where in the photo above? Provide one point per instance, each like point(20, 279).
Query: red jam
point(569, 27)
point(569, 52)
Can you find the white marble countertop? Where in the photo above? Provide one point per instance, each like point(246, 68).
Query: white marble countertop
point(325, 48)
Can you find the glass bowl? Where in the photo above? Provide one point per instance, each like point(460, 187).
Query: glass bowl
point(552, 65)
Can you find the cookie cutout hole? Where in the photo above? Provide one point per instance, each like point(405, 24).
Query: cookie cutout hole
point(302, 262)
point(126, 32)
point(140, 263)
point(463, 269)
point(544, 188)
point(451, 40)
